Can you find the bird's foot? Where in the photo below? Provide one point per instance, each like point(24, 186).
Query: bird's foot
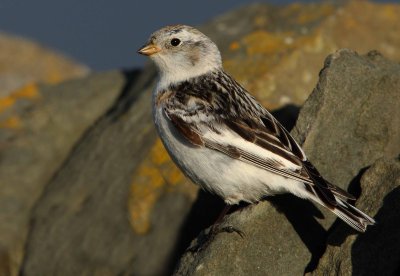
point(204, 239)
point(231, 229)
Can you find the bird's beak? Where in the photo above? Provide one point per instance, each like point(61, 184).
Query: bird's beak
point(149, 50)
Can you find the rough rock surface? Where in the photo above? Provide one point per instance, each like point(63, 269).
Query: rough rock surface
point(275, 51)
point(344, 130)
point(351, 119)
point(377, 252)
point(39, 130)
point(85, 205)
point(23, 62)
point(108, 200)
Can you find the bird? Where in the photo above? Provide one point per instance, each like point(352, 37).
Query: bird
point(222, 138)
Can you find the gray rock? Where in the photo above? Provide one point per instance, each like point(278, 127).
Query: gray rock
point(81, 221)
point(351, 119)
point(377, 252)
point(32, 150)
point(277, 241)
point(23, 61)
point(344, 129)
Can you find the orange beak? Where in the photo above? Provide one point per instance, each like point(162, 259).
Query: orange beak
point(149, 50)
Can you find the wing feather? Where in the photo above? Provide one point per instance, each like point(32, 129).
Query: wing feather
point(219, 114)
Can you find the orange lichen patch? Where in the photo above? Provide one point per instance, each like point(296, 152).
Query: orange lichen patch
point(158, 154)
point(12, 122)
point(174, 176)
point(160, 158)
point(234, 46)
point(6, 103)
point(145, 189)
point(263, 42)
point(389, 12)
point(155, 176)
point(265, 74)
point(29, 91)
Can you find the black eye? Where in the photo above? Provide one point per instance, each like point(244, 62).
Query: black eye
point(175, 42)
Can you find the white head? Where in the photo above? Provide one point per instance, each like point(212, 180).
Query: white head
point(181, 52)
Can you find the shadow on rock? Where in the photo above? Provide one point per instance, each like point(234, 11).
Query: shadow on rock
point(301, 214)
point(378, 249)
point(129, 95)
point(341, 229)
point(203, 214)
point(287, 115)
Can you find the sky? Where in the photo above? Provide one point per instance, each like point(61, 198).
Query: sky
point(105, 34)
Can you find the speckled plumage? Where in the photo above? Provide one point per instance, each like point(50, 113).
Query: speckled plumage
point(222, 138)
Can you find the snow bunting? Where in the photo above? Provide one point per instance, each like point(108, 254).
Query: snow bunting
point(222, 138)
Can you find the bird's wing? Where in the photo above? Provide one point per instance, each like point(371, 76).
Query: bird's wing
point(236, 124)
point(239, 141)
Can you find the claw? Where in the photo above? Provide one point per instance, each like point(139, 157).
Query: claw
point(204, 240)
point(231, 229)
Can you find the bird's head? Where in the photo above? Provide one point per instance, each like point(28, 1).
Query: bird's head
point(181, 52)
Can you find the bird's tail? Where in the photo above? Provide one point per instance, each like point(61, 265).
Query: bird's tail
point(352, 216)
point(335, 199)
point(344, 210)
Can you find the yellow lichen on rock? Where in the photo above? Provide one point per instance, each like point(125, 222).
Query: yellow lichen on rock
point(280, 66)
point(156, 175)
point(29, 91)
point(267, 51)
point(23, 61)
point(13, 122)
point(263, 42)
point(6, 102)
point(234, 46)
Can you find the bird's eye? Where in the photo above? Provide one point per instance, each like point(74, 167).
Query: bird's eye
point(175, 42)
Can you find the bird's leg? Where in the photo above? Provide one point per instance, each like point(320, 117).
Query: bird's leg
point(206, 239)
point(230, 229)
point(222, 215)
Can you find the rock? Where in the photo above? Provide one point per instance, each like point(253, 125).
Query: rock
point(276, 51)
point(85, 206)
point(24, 62)
point(278, 241)
point(344, 130)
point(356, 88)
point(38, 131)
point(377, 252)
point(107, 210)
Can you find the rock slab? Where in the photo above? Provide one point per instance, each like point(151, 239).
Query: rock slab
point(377, 252)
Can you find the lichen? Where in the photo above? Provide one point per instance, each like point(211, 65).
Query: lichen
point(155, 176)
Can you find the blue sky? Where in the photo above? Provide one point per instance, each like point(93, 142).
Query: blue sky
point(105, 34)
